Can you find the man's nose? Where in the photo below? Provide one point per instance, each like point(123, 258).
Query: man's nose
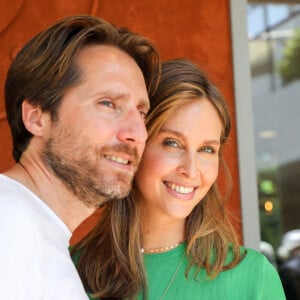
point(133, 128)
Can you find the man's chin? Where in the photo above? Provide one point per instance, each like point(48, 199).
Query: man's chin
point(116, 189)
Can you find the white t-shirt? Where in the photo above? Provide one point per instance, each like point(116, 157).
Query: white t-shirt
point(34, 257)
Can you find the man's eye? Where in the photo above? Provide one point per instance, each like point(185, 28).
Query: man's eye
point(171, 143)
point(143, 114)
point(107, 103)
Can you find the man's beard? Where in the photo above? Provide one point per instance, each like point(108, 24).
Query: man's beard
point(79, 168)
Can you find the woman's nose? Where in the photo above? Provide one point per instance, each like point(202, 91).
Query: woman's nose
point(188, 166)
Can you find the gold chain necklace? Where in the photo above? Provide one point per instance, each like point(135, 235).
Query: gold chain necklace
point(160, 249)
point(173, 277)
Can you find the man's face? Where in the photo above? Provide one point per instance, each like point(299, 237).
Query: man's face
point(96, 144)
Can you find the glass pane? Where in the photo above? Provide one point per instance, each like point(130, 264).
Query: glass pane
point(274, 43)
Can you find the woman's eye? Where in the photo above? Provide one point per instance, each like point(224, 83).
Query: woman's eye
point(208, 149)
point(171, 143)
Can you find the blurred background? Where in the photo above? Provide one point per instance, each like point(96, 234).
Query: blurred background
point(274, 47)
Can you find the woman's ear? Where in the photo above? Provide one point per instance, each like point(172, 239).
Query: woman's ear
point(33, 118)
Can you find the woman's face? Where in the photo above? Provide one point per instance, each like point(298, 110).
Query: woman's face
point(181, 162)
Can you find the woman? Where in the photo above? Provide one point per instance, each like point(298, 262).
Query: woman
point(172, 238)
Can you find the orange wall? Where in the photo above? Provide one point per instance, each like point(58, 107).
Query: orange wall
point(195, 29)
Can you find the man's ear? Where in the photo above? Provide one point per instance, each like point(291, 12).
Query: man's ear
point(33, 118)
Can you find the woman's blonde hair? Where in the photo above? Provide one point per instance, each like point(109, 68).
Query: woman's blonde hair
point(209, 230)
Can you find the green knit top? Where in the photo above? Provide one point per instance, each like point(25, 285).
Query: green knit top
point(253, 278)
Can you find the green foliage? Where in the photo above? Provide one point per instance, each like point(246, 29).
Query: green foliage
point(289, 67)
point(267, 187)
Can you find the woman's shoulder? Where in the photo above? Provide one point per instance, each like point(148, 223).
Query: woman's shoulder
point(253, 275)
point(256, 265)
point(250, 255)
point(246, 252)
point(251, 261)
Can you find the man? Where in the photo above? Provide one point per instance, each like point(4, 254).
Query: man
point(76, 98)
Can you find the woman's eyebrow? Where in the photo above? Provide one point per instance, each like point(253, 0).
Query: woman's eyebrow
point(173, 132)
point(182, 136)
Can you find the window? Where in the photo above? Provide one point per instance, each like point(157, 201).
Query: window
point(274, 47)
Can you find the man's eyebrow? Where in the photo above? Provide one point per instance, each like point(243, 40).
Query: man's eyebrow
point(117, 95)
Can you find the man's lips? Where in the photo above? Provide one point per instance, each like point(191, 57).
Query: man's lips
point(122, 154)
point(118, 159)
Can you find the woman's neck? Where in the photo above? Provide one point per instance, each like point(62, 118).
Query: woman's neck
point(161, 232)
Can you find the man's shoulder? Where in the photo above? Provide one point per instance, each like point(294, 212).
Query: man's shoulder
point(14, 207)
point(10, 186)
point(19, 207)
point(14, 195)
point(16, 221)
point(25, 219)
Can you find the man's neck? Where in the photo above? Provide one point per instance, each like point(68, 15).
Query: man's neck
point(35, 176)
